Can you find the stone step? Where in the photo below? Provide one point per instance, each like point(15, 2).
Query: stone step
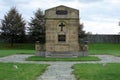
point(62, 55)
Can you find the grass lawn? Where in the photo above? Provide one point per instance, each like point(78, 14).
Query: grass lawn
point(17, 46)
point(108, 49)
point(97, 72)
point(86, 58)
point(24, 71)
point(6, 49)
point(10, 52)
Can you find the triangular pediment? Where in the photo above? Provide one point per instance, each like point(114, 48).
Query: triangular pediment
point(61, 7)
point(62, 12)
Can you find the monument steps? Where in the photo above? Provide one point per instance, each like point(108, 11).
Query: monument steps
point(61, 55)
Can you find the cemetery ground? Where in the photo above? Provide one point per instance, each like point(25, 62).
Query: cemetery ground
point(6, 49)
point(104, 49)
point(28, 48)
point(22, 72)
point(110, 71)
point(86, 70)
point(63, 70)
point(12, 52)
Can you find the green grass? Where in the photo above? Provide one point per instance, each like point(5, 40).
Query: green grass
point(17, 46)
point(97, 72)
point(108, 49)
point(11, 52)
point(86, 58)
point(24, 71)
point(23, 48)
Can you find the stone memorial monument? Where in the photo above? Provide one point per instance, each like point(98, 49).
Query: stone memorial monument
point(62, 29)
point(62, 32)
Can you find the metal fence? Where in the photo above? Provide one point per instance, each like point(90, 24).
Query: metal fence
point(102, 38)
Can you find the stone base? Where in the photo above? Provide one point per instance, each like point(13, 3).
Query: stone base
point(61, 54)
point(40, 53)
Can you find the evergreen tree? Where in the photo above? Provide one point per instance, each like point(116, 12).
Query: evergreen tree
point(81, 32)
point(13, 26)
point(37, 28)
point(82, 35)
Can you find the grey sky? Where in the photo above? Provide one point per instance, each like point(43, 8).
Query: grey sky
point(98, 16)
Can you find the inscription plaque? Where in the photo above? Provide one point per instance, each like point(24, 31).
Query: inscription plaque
point(61, 12)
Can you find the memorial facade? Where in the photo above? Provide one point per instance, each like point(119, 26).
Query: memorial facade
point(62, 29)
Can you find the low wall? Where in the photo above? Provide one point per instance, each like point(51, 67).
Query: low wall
point(102, 38)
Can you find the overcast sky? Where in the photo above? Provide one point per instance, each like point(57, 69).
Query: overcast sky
point(98, 16)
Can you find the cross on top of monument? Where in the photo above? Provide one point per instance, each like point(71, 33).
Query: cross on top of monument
point(62, 25)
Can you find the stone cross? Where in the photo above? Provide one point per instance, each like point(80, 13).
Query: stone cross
point(61, 25)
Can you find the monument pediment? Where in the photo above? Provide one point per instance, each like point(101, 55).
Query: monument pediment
point(62, 12)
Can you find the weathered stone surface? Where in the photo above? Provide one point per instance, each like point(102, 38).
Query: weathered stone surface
point(64, 21)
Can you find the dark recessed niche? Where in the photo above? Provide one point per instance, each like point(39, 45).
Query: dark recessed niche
point(61, 12)
point(61, 38)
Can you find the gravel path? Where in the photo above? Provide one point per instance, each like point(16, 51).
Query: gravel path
point(58, 70)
